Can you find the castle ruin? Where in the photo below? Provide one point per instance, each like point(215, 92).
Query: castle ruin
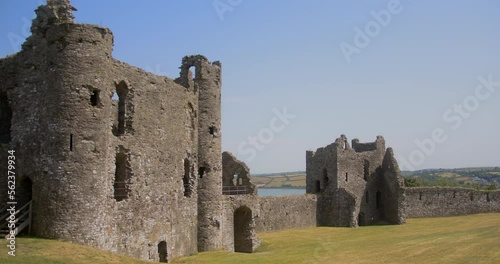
point(130, 162)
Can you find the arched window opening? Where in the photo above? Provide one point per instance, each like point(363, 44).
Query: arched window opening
point(122, 91)
point(192, 73)
point(235, 179)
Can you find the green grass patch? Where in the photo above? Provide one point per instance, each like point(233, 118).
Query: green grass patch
point(464, 239)
point(46, 251)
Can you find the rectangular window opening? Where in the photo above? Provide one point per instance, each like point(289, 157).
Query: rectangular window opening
point(201, 171)
point(94, 98)
point(122, 177)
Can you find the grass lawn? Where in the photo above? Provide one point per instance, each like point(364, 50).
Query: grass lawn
point(463, 239)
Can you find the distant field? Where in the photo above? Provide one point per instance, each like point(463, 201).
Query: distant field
point(463, 239)
point(281, 180)
point(464, 177)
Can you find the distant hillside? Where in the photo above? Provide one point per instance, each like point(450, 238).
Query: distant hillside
point(478, 178)
point(293, 180)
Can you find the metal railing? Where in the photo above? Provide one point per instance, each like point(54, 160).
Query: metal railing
point(23, 216)
point(234, 190)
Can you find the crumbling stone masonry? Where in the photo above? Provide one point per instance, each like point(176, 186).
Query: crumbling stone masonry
point(358, 185)
point(448, 201)
point(140, 175)
point(126, 161)
point(236, 176)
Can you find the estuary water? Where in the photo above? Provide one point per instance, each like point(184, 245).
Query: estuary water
point(278, 192)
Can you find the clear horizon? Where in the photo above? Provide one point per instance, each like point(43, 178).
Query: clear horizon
point(297, 74)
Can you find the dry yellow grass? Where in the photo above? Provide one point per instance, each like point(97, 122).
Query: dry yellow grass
point(464, 239)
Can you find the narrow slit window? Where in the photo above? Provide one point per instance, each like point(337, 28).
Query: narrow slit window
point(122, 177)
point(366, 170)
point(122, 91)
point(325, 177)
point(186, 179)
point(70, 142)
point(346, 176)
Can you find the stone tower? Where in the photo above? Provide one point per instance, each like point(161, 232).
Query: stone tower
point(207, 83)
point(356, 185)
point(49, 118)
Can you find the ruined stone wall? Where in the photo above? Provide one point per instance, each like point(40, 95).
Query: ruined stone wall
point(73, 140)
point(240, 216)
point(447, 201)
point(321, 169)
point(160, 145)
point(236, 176)
point(285, 212)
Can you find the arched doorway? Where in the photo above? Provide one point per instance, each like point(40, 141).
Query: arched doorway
point(361, 219)
point(162, 251)
point(242, 231)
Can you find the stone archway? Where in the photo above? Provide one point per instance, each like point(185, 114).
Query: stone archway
point(162, 251)
point(242, 230)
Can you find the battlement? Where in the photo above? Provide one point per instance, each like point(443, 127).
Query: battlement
point(378, 144)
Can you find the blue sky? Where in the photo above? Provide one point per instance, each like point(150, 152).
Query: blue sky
point(406, 84)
